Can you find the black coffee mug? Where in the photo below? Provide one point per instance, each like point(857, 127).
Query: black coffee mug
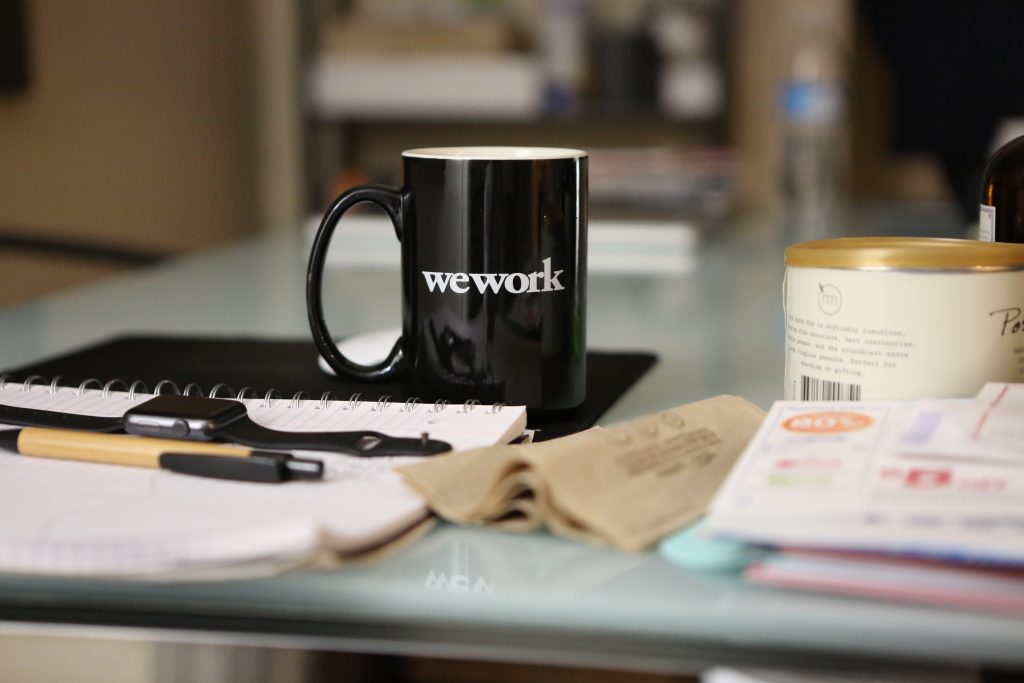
point(494, 244)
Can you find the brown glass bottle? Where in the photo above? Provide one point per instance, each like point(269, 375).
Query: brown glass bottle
point(1002, 194)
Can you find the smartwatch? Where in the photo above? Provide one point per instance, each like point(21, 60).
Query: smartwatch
point(208, 419)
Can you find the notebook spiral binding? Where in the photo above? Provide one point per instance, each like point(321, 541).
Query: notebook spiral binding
point(224, 391)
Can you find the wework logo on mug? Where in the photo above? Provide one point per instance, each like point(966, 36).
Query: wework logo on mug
point(514, 283)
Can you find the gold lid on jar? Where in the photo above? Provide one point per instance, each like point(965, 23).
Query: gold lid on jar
point(920, 253)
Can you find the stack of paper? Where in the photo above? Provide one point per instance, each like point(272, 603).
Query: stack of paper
point(937, 484)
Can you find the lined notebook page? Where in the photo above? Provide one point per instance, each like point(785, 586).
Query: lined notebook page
point(463, 426)
point(65, 517)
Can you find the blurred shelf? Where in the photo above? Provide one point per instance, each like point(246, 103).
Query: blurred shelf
point(380, 77)
point(439, 87)
point(453, 89)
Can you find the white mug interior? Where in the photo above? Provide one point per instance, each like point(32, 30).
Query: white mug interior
point(494, 153)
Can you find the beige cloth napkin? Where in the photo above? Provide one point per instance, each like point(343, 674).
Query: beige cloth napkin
point(627, 485)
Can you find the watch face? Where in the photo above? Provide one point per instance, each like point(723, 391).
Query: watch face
point(183, 417)
point(215, 410)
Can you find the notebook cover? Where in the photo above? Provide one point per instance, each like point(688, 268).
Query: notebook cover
point(290, 366)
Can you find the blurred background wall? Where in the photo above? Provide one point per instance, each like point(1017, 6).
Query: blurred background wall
point(145, 129)
point(134, 135)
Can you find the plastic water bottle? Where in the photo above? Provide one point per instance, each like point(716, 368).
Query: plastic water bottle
point(812, 103)
point(564, 49)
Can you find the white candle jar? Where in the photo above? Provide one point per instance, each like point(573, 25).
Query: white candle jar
point(902, 318)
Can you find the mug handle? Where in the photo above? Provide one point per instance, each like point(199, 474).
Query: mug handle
point(389, 199)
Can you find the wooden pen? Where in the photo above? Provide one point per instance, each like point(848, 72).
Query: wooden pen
point(222, 461)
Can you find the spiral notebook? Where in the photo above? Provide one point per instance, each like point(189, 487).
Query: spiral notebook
point(464, 426)
point(66, 517)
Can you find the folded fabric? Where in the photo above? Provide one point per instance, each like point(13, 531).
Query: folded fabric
point(627, 485)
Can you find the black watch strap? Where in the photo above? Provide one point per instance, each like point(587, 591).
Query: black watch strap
point(247, 432)
point(34, 417)
point(243, 431)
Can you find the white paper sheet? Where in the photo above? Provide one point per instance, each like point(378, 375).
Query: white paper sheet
point(82, 518)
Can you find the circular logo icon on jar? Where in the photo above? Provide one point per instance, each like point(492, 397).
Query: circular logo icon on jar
point(830, 299)
point(829, 422)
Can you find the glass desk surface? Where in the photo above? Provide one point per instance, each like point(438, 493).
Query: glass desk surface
point(479, 594)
